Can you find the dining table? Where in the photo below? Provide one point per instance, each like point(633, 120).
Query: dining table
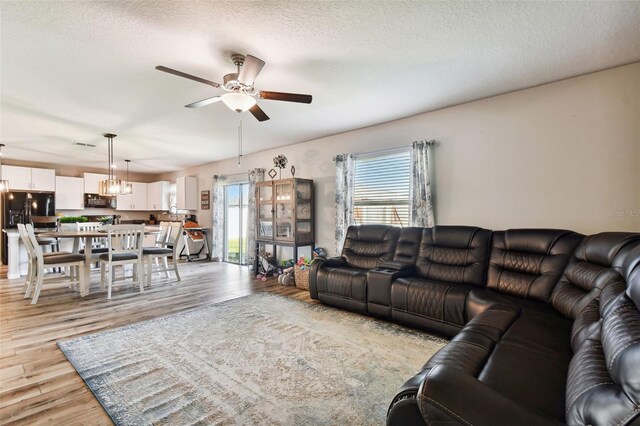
point(88, 237)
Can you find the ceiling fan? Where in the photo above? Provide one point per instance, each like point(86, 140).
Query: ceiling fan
point(241, 95)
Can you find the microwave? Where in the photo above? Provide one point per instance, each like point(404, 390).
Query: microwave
point(99, 201)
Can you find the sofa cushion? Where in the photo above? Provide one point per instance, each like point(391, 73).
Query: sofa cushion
point(593, 265)
point(528, 262)
point(433, 305)
point(367, 246)
point(455, 254)
point(631, 271)
point(604, 379)
point(408, 245)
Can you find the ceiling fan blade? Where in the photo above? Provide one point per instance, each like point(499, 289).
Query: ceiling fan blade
point(185, 75)
point(288, 97)
point(250, 70)
point(204, 102)
point(258, 113)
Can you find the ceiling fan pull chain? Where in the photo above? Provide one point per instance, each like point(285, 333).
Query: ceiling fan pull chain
point(239, 143)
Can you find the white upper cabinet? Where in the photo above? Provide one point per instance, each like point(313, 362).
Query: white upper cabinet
point(69, 193)
point(124, 202)
point(187, 193)
point(43, 179)
point(137, 200)
point(19, 177)
point(92, 181)
point(29, 179)
point(139, 196)
point(158, 194)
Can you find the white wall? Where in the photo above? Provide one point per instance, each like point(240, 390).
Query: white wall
point(561, 155)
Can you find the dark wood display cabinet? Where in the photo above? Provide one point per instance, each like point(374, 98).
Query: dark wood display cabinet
point(285, 215)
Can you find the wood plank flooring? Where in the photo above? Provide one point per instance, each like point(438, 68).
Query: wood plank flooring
point(37, 383)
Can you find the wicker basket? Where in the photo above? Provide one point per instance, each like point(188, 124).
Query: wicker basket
point(302, 277)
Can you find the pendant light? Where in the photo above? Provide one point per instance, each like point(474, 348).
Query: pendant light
point(127, 187)
point(4, 184)
point(111, 186)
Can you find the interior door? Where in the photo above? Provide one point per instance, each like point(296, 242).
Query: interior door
point(236, 207)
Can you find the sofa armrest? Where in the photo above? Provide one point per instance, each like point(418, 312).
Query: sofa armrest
point(335, 262)
point(470, 402)
point(319, 263)
point(398, 266)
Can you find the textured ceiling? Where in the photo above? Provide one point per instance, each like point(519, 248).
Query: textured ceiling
point(72, 70)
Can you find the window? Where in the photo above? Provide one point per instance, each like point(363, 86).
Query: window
point(382, 189)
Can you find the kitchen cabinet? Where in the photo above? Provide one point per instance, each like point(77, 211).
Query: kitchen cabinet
point(92, 181)
point(124, 202)
point(187, 193)
point(158, 195)
point(139, 196)
point(29, 179)
point(69, 193)
point(137, 200)
point(43, 179)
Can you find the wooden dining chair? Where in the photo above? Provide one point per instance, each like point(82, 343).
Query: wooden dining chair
point(124, 246)
point(31, 255)
point(52, 222)
point(166, 246)
point(47, 222)
point(98, 245)
point(52, 260)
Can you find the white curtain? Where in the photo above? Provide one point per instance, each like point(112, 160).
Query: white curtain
point(344, 197)
point(255, 175)
point(421, 199)
point(217, 209)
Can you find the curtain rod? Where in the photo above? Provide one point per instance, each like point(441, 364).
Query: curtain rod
point(396, 149)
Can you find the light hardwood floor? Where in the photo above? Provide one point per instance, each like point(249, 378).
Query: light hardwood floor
point(37, 383)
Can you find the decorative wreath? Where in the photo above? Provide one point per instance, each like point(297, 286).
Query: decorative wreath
point(280, 161)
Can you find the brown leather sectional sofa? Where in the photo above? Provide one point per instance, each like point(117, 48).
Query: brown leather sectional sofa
point(544, 323)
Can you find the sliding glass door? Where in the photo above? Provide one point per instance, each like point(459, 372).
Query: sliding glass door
point(236, 206)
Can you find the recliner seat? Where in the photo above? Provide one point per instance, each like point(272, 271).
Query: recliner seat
point(342, 281)
point(451, 262)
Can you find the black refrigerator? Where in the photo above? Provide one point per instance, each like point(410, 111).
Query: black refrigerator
point(18, 207)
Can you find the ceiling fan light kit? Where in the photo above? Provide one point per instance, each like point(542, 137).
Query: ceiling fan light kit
point(237, 101)
point(241, 96)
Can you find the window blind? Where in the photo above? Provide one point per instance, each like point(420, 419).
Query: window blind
point(382, 189)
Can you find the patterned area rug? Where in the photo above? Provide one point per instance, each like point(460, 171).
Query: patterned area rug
point(260, 359)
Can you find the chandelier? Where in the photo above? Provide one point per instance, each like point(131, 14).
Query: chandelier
point(111, 186)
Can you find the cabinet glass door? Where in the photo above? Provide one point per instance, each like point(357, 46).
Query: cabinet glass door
point(303, 210)
point(265, 213)
point(284, 212)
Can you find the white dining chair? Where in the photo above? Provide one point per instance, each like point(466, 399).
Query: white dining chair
point(124, 246)
point(31, 256)
point(98, 245)
point(166, 245)
point(53, 260)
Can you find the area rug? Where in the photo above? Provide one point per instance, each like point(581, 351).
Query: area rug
point(260, 359)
